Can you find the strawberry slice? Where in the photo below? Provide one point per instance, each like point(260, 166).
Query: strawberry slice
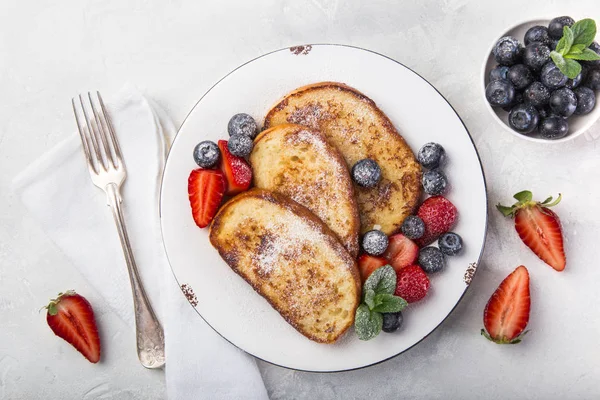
point(439, 216)
point(367, 264)
point(507, 312)
point(238, 173)
point(70, 316)
point(538, 227)
point(401, 252)
point(205, 189)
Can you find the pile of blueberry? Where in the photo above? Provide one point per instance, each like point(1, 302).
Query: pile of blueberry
point(537, 95)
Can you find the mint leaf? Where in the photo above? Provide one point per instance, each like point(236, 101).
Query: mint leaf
point(367, 323)
point(584, 32)
point(566, 41)
point(572, 69)
point(524, 196)
point(389, 303)
point(586, 54)
point(370, 298)
point(382, 280)
point(577, 49)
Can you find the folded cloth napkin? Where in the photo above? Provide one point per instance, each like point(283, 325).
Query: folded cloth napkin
point(58, 192)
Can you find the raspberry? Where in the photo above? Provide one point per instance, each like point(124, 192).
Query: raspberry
point(439, 216)
point(412, 284)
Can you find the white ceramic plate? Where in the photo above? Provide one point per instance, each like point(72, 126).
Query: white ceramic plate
point(224, 299)
point(578, 124)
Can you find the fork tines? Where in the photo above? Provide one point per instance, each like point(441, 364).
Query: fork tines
point(98, 138)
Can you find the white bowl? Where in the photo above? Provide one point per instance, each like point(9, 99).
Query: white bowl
point(577, 124)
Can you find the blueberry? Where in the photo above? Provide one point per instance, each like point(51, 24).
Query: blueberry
point(553, 44)
point(596, 48)
point(500, 93)
point(537, 94)
point(392, 321)
point(586, 100)
point(575, 82)
point(375, 242)
point(536, 55)
point(563, 102)
point(551, 76)
point(499, 72)
point(520, 76)
point(431, 259)
point(431, 155)
point(592, 79)
point(434, 182)
point(242, 124)
point(555, 28)
point(450, 243)
point(240, 145)
point(413, 227)
point(538, 34)
point(366, 173)
point(206, 154)
point(523, 118)
point(507, 51)
point(554, 127)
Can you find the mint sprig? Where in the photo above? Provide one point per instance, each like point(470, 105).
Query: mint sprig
point(378, 298)
point(573, 45)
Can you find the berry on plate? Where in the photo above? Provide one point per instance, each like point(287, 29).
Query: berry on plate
point(523, 118)
point(450, 243)
point(206, 154)
point(586, 100)
point(538, 227)
point(413, 227)
point(205, 190)
point(507, 51)
point(536, 55)
point(507, 312)
point(553, 127)
point(401, 252)
point(240, 145)
point(563, 102)
point(375, 242)
point(438, 215)
point(237, 172)
point(367, 264)
point(242, 124)
point(412, 284)
point(520, 76)
point(556, 26)
point(434, 182)
point(537, 33)
point(70, 316)
point(537, 94)
point(500, 93)
point(392, 321)
point(432, 155)
point(551, 76)
point(366, 173)
point(431, 259)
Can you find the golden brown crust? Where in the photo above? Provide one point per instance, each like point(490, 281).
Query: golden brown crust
point(393, 199)
point(233, 259)
point(338, 197)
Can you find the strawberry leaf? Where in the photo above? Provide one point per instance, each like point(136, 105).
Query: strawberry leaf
point(506, 211)
point(549, 203)
point(524, 196)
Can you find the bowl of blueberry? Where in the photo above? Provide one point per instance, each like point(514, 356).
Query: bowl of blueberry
point(542, 77)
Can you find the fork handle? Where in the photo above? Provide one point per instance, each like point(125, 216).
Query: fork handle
point(149, 333)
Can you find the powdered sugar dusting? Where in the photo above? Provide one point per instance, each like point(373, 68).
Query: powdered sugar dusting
point(309, 115)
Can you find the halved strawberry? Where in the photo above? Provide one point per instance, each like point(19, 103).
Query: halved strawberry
point(238, 173)
point(538, 227)
point(412, 283)
point(439, 216)
point(401, 251)
point(367, 264)
point(205, 189)
point(507, 312)
point(70, 316)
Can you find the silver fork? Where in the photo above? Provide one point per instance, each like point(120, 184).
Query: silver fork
point(106, 167)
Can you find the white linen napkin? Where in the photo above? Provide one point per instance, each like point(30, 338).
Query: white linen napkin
point(58, 192)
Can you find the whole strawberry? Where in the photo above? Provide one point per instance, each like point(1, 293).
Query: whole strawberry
point(439, 216)
point(412, 284)
point(538, 227)
point(70, 316)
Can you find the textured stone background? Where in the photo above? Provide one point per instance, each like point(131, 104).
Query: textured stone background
point(174, 51)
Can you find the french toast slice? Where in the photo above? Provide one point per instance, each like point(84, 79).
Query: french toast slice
point(299, 162)
point(292, 259)
point(359, 129)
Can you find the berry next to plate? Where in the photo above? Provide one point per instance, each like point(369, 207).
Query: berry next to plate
point(538, 227)
point(553, 78)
